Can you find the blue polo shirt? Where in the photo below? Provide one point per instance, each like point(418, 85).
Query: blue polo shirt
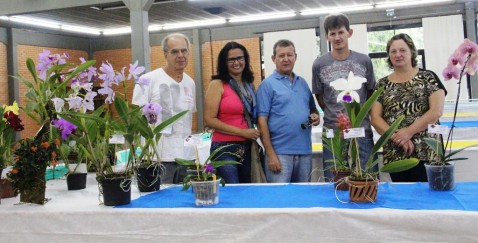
point(287, 105)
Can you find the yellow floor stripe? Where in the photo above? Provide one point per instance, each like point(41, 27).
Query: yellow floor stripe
point(460, 114)
point(457, 144)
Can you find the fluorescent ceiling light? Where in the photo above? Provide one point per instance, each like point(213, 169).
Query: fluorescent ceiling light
point(408, 3)
point(155, 27)
point(117, 31)
point(4, 17)
point(194, 24)
point(336, 9)
point(80, 29)
point(254, 17)
point(35, 21)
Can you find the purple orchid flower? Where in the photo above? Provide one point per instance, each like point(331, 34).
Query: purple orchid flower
point(135, 71)
point(208, 168)
point(151, 112)
point(66, 128)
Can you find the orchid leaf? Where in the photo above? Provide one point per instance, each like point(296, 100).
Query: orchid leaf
point(364, 111)
point(448, 156)
point(79, 69)
point(31, 67)
point(400, 165)
point(385, 137)
point(169, 121)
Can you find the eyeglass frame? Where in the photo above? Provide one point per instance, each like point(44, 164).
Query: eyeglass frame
point(175, 52)
point(231, 61)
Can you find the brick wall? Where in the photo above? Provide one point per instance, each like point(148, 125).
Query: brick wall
point(209, 64)
point(3, 74)
point(23, 52)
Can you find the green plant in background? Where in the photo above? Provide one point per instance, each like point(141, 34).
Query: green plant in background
point(337, 145)
point(63, 91)
point(10, 123)
point(33, 155)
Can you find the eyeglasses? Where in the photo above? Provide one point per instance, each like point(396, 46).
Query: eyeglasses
point(234, 59)
point(175, 52)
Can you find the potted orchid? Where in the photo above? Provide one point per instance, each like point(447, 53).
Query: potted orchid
point(71, 155)
point(63, 94)
point(334, 141)
point(362, 177)
point(49, 79)
point(9, 125)
point(148, 167)
point(203, 178)
point(440, 170)
point(131, 124)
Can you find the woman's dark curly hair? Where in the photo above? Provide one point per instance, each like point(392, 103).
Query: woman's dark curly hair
point(222, 71)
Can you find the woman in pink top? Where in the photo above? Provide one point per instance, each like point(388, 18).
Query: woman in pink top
point(229, 96)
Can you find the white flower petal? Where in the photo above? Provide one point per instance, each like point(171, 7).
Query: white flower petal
point(356, 82)
point(340, 84)
point(355, 96)
point(340, 97)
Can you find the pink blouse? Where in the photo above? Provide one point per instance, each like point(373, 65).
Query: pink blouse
point(230, 111)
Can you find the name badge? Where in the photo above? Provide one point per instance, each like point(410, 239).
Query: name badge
point(354, 133)
point(329, 133)
point(437, 129)
point(193, 140)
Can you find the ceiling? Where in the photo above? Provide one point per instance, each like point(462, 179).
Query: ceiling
point(114, 14)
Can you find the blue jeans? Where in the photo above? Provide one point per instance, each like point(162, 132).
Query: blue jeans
point(234, 173)
point(365, 148)
point(294, 168)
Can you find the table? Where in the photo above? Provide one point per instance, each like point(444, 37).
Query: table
point(76, 216)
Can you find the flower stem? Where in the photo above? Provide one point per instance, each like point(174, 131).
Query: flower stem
point(450, 134)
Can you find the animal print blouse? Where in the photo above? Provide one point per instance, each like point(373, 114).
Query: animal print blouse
point(410, 99)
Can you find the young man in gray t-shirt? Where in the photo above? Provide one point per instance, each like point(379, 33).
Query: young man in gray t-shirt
point(332, 66)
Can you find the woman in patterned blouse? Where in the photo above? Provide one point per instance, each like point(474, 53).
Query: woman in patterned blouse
point(416, 93)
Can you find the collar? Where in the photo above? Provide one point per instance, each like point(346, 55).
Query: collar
point(277, 75)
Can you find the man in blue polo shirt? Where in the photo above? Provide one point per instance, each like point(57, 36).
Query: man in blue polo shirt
point(286, 111)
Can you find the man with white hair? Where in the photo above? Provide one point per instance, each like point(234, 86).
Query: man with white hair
point(175, 91)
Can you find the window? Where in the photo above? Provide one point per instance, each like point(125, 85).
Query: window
point(377, 44)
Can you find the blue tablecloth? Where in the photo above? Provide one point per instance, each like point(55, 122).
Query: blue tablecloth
point(415, 196)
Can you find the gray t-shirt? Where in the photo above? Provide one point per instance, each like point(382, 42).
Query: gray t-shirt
point(327, 69)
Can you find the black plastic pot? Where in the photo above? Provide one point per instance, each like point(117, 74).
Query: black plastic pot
point(116, 191)
point(148, 179)
point(76, 181)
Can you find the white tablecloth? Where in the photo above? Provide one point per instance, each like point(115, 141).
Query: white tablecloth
point(77, 216)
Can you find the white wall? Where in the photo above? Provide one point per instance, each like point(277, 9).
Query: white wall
point(359, 40)
point(441, 36)
point(305, 46)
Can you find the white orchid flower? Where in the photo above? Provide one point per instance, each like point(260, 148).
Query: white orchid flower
point(348, 88)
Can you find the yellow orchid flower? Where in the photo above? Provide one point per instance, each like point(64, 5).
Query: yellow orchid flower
point(14, 108)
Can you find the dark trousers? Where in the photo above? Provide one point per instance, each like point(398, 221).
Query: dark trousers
point(240, 173)
point(415, 174)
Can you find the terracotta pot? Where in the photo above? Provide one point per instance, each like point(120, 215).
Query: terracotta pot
point(340, 183)
point(7, 190)
point(363, 191)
